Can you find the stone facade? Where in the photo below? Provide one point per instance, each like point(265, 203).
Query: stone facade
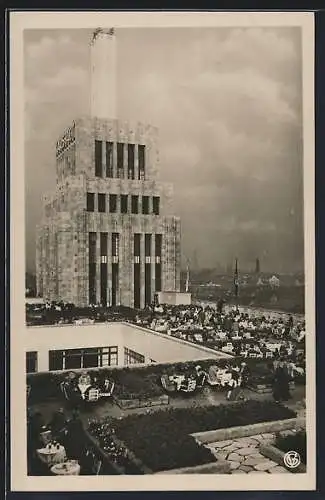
point(84, 165)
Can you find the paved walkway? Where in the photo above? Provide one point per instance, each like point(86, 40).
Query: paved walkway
point(244, 456)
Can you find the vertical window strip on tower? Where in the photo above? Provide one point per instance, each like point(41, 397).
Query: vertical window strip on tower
point(147, 268)
point(145, 205)
point(130, 161)
point(113, 203)
point(136, 270)
point(135, 204)
point(141, 157)
point(90, 202)
point(101, 202)
point(120, 160)
point(155, 205)
point(124, 203)
point(92, 268)
point(103, 268)
point(158, 250)
point(109, 160)
point(98, 159)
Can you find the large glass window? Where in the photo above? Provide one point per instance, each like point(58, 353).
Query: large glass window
point(31, 362)
point(89, 357)
point(132, 357)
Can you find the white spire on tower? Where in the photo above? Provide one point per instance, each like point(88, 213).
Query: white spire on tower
point(103, 73)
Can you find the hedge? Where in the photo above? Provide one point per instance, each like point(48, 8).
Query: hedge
point(162, 440)
point(296, 442)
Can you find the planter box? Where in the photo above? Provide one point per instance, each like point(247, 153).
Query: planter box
point(219, 467)
point(273, 453)
point(128, 404)
point(266, 388)
point(247, 430)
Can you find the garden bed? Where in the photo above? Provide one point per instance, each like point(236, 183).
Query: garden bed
point(162, 440)
point(296, 442)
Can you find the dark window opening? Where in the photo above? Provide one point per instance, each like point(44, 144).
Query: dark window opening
point(92, 247)
point(101, 202)
point(158, 244)
point(147, 285)
point(90, 202)
point(130, 161)
point(141, 156)
point(155, 205)
point(145, 205)
point(98, 159)
point(109, 159)
point(55, 360)
point(31, 362)
point(103, 244)
point(136, 282)
point(124, 203)
point(158, 277)
point(113, 203)
point(135, 204)
point(137, 244)
point(147, 245)
point(120, 160)
point(115, 284)
point(103, 284)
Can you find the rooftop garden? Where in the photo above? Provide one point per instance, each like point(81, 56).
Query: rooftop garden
point(162, 440)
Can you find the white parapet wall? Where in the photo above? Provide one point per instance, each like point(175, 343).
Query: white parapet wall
point(175, 298)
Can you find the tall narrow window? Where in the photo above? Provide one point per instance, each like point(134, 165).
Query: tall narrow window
point(124, 203)
point(109, 159)
point(147, 268)
point(136, 271)
point(101, 202)
point(147, 245)
point(103, 268)
point(90, 202)
point(142, 166)
point(145, 205)
point(155, 205)
point(120, 160)
point(158, 251)
point(113, 203)
point(115, 244)
point(98, 159)
point(135, 204)
point(92, 268)
point(130, 161)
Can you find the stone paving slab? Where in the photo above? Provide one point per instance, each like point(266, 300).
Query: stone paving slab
point(266, 465)
point(278, 469)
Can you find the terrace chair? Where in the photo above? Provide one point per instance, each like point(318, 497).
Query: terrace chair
point(167, 385)
point(188, 386)
point(93, 395)
point(108, 389)
point(201, 381)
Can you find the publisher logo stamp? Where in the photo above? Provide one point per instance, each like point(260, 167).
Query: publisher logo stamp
point(292, 459)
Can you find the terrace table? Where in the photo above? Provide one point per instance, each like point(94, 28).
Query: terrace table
point(53, 455)
point(71, 468)
point(177, 379)
point(83, 388)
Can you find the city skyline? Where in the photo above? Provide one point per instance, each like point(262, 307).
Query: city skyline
point(233, 151)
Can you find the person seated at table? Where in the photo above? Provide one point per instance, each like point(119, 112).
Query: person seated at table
point(232, 384)
point(200, 375)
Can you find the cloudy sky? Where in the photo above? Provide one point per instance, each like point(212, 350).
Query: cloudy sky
point(228, 106)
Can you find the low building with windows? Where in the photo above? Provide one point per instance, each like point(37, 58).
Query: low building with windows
point(103, 345)
point(108, 234)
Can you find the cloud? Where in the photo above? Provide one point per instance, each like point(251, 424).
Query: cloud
point(227, 103)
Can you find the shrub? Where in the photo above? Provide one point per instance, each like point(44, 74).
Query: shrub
point(162, 439)
point(131, 385)
point(296, 442)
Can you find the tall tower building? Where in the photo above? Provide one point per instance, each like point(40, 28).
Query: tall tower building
point(108, 234)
